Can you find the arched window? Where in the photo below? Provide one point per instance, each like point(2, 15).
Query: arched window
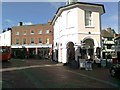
point(70, 20)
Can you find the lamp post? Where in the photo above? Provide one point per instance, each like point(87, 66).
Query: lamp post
point(103, 48)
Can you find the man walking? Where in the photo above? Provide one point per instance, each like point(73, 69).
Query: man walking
point(88, 64)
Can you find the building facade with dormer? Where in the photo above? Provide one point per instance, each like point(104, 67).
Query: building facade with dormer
point(108, 43)
point(77, 29)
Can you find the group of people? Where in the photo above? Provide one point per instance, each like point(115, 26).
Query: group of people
point(88, 63)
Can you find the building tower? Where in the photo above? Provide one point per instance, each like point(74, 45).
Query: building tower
point(71, 1)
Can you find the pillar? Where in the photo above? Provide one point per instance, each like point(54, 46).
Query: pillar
point(64, 55)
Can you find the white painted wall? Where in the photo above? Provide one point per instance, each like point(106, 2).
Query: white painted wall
point(70, 26)
point(5, 38)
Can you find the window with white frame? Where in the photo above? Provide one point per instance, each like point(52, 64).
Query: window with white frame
point(47, 31)
point(24, 33)
point(32, 32)
point(70, 21)
point(17, 41)
point(40, 32)
point(24, 40)
point(17, 33)
point(39, 40)
point(88, 18)
point(32, 40)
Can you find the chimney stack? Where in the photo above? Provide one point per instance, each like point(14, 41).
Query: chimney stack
point(20, 23)
point(71, 2)
point(49, 21)
point(109, 29)
point(9, 29)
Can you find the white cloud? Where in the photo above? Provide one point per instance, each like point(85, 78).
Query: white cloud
point(8, 21)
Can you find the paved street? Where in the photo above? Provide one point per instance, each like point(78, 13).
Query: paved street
point(47, 74)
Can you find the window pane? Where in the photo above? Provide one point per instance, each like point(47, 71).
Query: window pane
point(17, 33)
point(32, 32)
point(24, 33)
point(47, 31)
point(17, 41)
point(32, 40)
point(88, 18)
point(40, 40)
point(24, 41)
point(40, 32)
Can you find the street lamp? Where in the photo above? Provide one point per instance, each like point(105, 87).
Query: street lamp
point(103, 48)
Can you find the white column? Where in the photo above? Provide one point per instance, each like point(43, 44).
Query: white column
point(36, 51)
point(59, 55)
point(54, 55)
point(64, 55)
point(76, 52)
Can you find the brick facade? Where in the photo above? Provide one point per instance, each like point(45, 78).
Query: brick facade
point(32, 31)
point(30, 41)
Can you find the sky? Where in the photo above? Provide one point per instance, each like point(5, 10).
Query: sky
point(41, 12)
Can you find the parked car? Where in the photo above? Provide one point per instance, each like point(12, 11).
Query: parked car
point(115, 70)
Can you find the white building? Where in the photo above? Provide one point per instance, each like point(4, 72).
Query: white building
point(5, 38)
point(77, 29)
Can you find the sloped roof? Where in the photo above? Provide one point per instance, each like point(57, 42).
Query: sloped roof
point(60, 9)
point(105, 33)
point(117, 37)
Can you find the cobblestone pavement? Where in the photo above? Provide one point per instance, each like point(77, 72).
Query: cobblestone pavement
point(47, 74)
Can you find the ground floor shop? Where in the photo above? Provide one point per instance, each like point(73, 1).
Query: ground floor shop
point(38, 52)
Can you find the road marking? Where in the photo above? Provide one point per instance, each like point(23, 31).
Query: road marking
point(26, 67)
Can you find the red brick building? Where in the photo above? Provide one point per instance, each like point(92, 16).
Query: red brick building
point(32, 40)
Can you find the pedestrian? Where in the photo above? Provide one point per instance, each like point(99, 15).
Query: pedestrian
point(88, 63)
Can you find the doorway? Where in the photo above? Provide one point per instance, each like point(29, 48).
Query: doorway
point(70, 51)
